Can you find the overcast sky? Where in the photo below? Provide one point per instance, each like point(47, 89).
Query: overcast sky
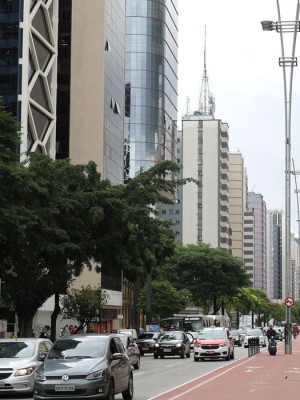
point(247, 83)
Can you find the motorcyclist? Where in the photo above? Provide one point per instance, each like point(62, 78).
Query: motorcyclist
point(271, 332)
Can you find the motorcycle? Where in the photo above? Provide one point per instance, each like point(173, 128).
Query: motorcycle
point(272, 346)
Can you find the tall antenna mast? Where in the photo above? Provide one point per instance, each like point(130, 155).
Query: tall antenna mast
point(207, 101)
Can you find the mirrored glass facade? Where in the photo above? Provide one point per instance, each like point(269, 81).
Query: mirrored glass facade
point(10, 51)
point(151, 63)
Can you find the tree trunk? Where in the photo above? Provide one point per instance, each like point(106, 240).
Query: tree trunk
point(25, 323)
point(54, 316)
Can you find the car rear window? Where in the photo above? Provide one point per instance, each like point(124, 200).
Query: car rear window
point(146, 336)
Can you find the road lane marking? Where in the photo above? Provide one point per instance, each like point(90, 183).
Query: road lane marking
point(169, 366)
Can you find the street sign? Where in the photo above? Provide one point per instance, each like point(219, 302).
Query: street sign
point(289, 301)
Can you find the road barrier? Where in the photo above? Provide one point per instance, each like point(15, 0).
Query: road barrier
point(253, 346)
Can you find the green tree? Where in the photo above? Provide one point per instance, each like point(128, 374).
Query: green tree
point(166, 299)
point(83, 304)
point(209, 274)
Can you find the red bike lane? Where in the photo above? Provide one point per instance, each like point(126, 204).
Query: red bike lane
point(251, 378)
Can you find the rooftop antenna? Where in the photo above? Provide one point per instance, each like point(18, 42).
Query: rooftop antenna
point(207, 101)
point(188, 110)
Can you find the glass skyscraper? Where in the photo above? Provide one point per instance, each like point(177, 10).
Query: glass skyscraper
point(151, 77)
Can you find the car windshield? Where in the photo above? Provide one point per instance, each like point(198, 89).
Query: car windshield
point(17, 349)
point(254, 332)
point(212, 334)
point(146, 336)
point(172, 336)
point(78, 348)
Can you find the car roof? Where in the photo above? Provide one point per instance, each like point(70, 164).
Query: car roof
point(89, 336)
point(33, 340)
point(215, 328)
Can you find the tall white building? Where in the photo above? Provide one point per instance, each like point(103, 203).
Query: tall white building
point(205, 157)
point(237, 202)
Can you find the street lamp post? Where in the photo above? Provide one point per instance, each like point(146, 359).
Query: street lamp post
point(285, 27)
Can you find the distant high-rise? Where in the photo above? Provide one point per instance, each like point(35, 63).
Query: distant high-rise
point(237, 202)
point(274, 266)
point(249, 249)
point(257, 204)
point(151, 84)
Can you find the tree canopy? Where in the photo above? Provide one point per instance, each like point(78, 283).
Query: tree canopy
point(166, 299)
point(83, 304)
point(211, 275)
point(56, 218)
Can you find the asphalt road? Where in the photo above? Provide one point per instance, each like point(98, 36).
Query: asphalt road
point(157, 376)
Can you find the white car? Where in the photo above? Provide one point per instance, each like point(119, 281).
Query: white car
point(19, 360)
point(255, 333)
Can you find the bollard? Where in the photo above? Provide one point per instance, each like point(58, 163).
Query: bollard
point(253, 346)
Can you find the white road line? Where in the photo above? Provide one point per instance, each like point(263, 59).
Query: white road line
point(203, 383)
point(169, 366)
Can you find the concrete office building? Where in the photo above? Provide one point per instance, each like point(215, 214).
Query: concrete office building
point(91, 85)
point(257, 204)
point(237, 202)
point(91, 108)
point(151, 83)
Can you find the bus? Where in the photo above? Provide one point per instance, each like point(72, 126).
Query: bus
point(194, 322)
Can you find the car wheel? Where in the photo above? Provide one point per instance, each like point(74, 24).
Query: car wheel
point(227, 358)
point(155, 356)
point(196, 359)
point(137, 364)
point(111, 391)
point(232, 355)
point(128, 393)
point(188, 354)
point(182, 354)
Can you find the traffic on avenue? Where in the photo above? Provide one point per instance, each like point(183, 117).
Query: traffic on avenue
point(158, 376)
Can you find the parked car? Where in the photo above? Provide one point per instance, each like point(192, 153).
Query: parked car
point(93, 366)
point(132, 349)
point(256, 332)
point(173, 343)
point(242, 332)
point(236, 336)
point(19, 360)
point(214, 342)
point(279, 333)
point(146, 342)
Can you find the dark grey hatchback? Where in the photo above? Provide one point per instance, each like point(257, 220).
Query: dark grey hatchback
point(93, 366)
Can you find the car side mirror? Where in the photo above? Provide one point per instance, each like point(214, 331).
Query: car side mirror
point(117, 356)
point(42, 357)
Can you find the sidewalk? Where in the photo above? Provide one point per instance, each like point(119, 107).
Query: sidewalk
point(252, 378)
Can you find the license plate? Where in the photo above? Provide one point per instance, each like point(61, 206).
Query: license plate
point(210, 352)
point(167, 350)
point(64, 388)
point(144, 348)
